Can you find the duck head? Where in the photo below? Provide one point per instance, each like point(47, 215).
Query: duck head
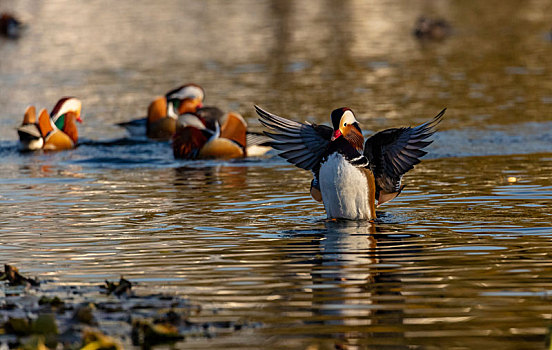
point(345, 125)
point(211, 116)
point(184, 99)
point(66, 112)
point(432, 29)
point(210, 129)
point(190, 119)
point(10, 26)
point(64, 106)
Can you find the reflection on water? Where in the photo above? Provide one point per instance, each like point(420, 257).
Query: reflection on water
point(461, 259)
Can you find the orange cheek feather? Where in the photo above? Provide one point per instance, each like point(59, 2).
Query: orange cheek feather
point(189, 106)
point(354, 137)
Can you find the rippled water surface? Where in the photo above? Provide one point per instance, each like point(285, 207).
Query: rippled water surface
point(462, 259)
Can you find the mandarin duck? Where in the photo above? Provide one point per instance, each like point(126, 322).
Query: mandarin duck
point(10, 26)
point(163, 111)
point(431, 29)
point(209, 133)
point(54, 131)
point(349, 175)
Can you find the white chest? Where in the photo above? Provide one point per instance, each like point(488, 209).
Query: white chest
point(344, 190)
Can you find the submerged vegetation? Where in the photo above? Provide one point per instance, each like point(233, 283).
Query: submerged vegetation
point(48, 316)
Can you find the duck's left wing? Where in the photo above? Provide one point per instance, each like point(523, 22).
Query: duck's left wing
point(393, 152)
point(300, 144)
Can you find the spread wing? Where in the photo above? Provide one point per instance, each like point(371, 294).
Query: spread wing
point(393, 152)
point(300, 144)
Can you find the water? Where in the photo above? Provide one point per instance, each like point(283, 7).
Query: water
point(460, 260)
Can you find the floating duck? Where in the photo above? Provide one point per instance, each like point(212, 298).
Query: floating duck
point(163, 111)
point(10, 26)
point(209, 133)
point(350, 174)
point(431, 29)
point(51, 132)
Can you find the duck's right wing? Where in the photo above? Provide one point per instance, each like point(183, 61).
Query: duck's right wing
point(300, 144)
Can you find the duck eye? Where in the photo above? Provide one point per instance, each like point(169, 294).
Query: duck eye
point(344, 124)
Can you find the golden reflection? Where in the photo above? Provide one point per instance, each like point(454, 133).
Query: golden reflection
point(350, 289)
point(221, 176)
point(38, 169)
point(345, 292)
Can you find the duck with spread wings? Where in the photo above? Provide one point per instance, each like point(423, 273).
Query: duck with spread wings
point(350, 175)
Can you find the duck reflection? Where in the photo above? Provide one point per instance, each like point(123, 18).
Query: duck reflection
point(40, 170)
point(223, 176)
point(347, 244)
point(354, 291)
